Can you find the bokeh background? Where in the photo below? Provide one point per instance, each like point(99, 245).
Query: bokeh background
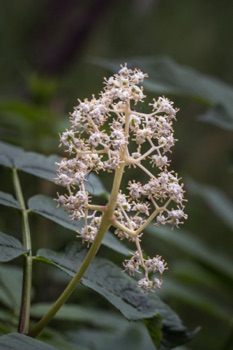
point(50, 56)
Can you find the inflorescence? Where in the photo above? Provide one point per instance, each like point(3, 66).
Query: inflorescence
point(106, 132)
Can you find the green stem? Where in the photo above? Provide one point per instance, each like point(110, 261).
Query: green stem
point(24, 316)
point(73, 283)
point(104, 226)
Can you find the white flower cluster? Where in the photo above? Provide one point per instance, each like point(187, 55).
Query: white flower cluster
point(107, 132)
point(156, 264)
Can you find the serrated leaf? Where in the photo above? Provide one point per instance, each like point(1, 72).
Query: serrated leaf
point(166, 76)
point(10, 248)
point(47, 207)
point(16, 341)
point(215, 199)
point(119, 289)
point(8, 200)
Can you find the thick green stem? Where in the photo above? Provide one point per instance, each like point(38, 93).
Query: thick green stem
point(104, 226)
point(24, 316)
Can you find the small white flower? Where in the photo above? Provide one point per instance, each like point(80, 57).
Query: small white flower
point(146, 284)
point(94, 139)
point(157, 283)
point(164, 105)
point(159, 161)
point(161, 220)
point(135, 190)
point(142, 208)
point(136, 155)
point(156, 264)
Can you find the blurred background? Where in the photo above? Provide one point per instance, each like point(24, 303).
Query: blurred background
point(54, 52)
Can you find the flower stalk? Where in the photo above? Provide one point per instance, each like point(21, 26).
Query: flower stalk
point(103, 228)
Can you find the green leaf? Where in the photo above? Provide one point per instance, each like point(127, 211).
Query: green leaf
point(10, 248)
point(9, 153)
point(10, 291)
point(154, 326)
point(106, 278)
point(29, 162)
point(38, 165)
point(119, 289)
point(47, 207)
point(8, 200)
point(5, 161)
point(42, 166)
point(174, 337)
point(216, 200)
point(166, 76)
point(16, 341)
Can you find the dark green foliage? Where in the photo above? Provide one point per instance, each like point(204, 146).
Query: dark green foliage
point(16, 341)
point(10, 248)
point(103, 276)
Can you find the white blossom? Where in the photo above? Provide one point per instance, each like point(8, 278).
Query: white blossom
point(107, 132)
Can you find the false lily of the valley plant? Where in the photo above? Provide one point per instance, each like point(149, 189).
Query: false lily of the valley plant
point(108, 134)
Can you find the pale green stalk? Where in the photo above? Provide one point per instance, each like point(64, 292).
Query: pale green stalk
point(27, 271)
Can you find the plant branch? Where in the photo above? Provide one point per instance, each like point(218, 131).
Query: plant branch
point(27, 271)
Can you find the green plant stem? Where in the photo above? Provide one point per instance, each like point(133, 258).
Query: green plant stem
point(104, 226)
point(24, 316)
